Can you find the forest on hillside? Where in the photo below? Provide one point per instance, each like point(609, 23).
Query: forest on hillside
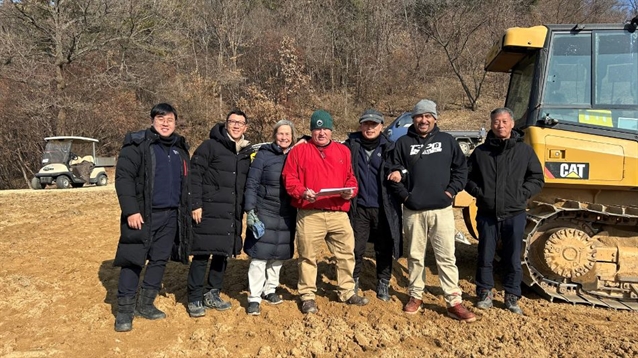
point(94, 68)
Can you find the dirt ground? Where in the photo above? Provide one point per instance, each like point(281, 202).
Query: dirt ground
point(58, 286)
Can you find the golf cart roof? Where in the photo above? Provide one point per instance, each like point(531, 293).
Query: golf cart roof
point(71, 138)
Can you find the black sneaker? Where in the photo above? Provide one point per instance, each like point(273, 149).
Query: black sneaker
point(357, 300)
point(253, 309)
point(212, 299)
point(309, 306)
point(272, 298)
point(196, 309)
point(511, 303)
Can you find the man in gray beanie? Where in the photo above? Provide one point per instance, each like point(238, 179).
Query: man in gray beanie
point(429, 169)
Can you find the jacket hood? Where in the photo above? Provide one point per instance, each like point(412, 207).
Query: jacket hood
point(272, 147)
point(220, 134)
point(140, 136)
point(497, 143)
point(357, 136)
point(412, 132)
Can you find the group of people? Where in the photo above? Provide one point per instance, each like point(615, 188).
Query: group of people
point(310, 191)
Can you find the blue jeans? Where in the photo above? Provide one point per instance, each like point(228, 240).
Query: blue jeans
point(510, 231)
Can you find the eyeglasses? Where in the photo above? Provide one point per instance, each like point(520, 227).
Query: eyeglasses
point(236, 123)
point(164, 120)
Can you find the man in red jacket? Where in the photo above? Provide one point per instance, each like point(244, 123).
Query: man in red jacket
point(310, 167)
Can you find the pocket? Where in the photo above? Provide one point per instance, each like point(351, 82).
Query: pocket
point(131, 236)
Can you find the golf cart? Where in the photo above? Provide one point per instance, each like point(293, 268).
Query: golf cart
point(70, 161)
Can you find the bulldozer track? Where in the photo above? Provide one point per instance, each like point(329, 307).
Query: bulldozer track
point(584, 221)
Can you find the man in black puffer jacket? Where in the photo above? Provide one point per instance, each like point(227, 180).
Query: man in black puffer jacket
point(504, 173)
point(375, 214)
point(220, 166)
point(153, 186)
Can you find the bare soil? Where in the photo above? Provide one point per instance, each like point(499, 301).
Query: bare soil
point(58, 284)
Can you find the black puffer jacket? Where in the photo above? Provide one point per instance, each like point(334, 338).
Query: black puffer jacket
point(503, 175)
point(218, 179)
point(134, 180)
point(266, 195)
point(391, 205)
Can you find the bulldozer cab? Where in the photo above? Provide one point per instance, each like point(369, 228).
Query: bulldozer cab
point(579, 78)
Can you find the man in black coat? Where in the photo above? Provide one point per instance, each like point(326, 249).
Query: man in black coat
point(375, 214)
point(153, 186)
point(220, 166)
point(504, 172)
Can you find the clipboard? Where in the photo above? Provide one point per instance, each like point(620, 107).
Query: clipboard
point(333, 191)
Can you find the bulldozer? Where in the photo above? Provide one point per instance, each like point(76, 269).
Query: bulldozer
point(573, 89)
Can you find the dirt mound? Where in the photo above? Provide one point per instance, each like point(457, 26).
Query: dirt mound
point(58, 288)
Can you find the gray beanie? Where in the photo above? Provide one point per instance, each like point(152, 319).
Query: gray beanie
point(425, 106)
point(371, 115)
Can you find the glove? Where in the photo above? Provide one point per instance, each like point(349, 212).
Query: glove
point(255, 225)
point(251, 218)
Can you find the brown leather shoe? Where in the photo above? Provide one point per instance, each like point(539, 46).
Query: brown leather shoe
point(461, 313)
point(413, 306)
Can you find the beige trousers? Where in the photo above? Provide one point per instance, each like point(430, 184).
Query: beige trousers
point(438, 227)
point(313, 227)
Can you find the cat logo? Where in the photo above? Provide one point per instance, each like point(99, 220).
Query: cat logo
point(555, 170)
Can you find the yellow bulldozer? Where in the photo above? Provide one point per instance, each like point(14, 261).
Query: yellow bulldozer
point(574, 92)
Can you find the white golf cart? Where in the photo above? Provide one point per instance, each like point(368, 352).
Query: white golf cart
point(70, 161)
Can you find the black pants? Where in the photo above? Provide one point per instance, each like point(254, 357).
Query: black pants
point(511, 232)
point(371, 223)
point(197, 272)
point(163, 231)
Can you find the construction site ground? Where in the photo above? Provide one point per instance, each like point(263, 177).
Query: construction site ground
point(58, 288)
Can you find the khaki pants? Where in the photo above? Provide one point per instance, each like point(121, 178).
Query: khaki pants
point(438, 226)
point(313, 227)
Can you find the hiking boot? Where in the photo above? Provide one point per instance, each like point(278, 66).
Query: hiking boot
point(357, 300)
point(272, 298)
point(356, 285)
point(253, 309)
point(511, 303)
point(413, 306)
point(212, 299)
point(124, 317)
point(461, 313)
point(309, 306)
point(196, 309)
point(383, 290)
point(484, 299)
point(145, 307)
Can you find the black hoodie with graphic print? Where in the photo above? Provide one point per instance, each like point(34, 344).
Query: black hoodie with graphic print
point(441, 167)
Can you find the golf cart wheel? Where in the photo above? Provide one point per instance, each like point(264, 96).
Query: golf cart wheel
point(63, 182)
point(102, 180)
point(36, 184)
